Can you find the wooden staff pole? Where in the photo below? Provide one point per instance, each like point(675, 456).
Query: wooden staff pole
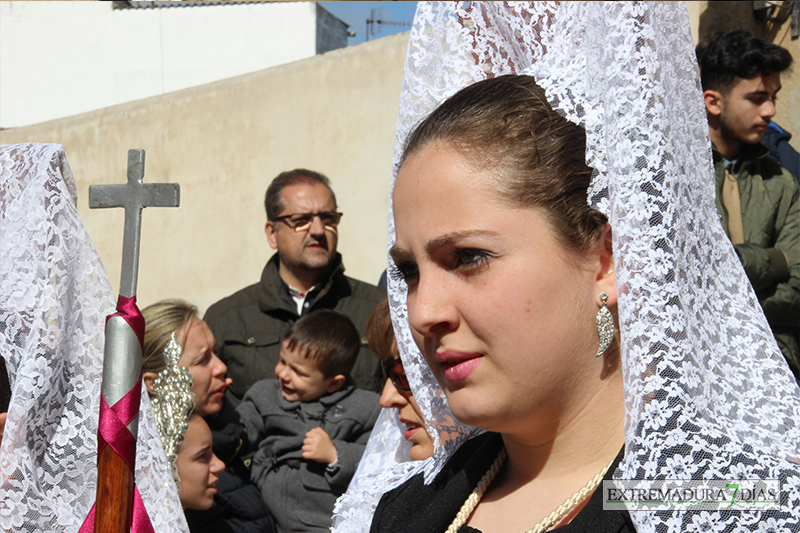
point(122, 363)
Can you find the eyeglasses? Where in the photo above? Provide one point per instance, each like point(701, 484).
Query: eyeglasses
point(302, 221)
point(394, 370)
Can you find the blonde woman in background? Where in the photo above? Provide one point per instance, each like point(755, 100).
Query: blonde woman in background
point(238, 504)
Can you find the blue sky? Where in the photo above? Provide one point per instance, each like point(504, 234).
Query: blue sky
point(356, 14)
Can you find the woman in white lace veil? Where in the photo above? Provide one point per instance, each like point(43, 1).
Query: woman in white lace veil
point(54, 298)
point(707, 392)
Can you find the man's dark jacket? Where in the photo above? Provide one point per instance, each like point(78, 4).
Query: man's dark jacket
point(249, 325)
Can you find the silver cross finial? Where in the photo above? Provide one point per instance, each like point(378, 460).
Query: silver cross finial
point(133, 196)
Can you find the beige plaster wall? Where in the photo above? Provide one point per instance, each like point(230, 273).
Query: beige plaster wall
point(224, 142)
point(708, 18)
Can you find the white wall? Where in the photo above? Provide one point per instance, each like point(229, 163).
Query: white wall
point(62, 58)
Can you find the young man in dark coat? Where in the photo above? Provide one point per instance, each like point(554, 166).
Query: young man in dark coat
point(758, 200)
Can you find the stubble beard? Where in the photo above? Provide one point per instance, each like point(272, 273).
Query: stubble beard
point(310, 264)
point(730, 134)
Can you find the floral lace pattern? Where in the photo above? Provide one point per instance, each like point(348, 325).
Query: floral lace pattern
point(54, 298)
point(708, 393)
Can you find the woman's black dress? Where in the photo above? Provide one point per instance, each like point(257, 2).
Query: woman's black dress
point(422, 508)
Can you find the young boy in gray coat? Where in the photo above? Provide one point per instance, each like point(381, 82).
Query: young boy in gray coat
point(311, 424)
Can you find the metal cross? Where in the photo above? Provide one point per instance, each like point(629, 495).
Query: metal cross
point(133, 196)
point(122, 364)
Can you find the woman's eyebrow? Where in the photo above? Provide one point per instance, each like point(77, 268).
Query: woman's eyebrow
point(202, 451)
point(449, 238)
point(400, 254)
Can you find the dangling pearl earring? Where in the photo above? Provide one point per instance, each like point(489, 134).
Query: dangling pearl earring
point(605, 326)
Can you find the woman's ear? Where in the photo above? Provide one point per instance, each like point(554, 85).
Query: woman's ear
point(149, 378)
point(606, 276)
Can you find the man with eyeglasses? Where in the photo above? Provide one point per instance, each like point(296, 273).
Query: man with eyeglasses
point(305, 274)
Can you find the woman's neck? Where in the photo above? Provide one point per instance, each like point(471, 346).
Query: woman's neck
point(591, 436)
point(540, 474)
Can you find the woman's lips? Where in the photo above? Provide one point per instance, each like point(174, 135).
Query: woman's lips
point(411, 432)
point(220, 391)
point(457, 366)
point(413, 427)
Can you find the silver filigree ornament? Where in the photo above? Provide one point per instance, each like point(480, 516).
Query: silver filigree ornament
point(605, 326)
point(173, 403)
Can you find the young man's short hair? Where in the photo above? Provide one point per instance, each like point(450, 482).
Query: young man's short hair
point(328, 338)
point(299, 176)
point(733, 55)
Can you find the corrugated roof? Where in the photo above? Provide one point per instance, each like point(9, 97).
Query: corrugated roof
point(133, 4)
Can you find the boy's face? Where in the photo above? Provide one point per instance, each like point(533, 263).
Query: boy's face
point(299, 377)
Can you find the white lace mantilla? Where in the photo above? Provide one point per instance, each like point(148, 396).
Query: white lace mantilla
point(54, 298)
point(708, 393)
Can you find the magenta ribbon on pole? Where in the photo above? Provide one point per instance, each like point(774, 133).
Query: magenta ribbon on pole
point(113, 431)
point(126, 308)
